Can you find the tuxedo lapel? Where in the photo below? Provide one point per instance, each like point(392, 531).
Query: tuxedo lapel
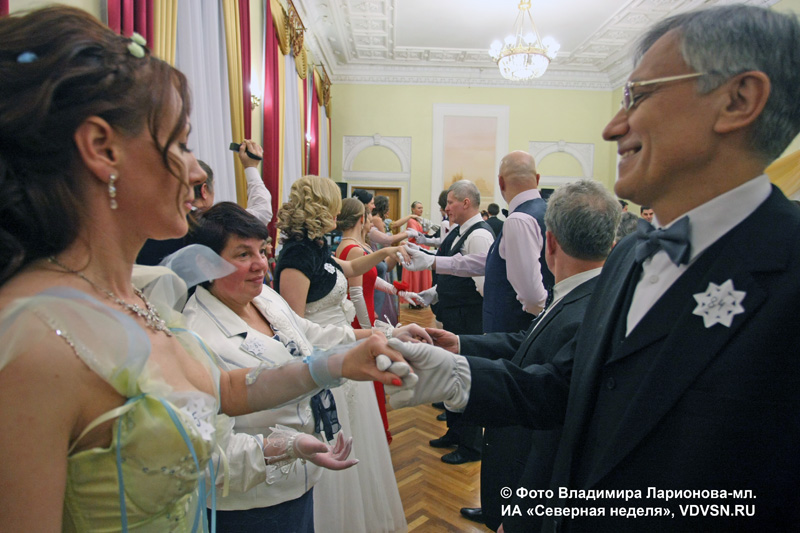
point(690, 346)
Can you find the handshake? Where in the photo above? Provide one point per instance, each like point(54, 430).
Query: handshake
point(430, 373)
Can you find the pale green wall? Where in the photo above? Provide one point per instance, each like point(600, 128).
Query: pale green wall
point(407, 111)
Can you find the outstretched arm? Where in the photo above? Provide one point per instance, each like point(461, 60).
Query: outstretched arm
point(247, 390)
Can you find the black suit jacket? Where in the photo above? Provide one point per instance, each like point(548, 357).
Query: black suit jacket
point(507, 450)
point(496, 224)
point(701, 408)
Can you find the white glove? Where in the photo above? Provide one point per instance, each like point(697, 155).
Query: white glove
point(362, 314)
point(384, 286)
point(412, 233)
point(408, 333)
point(419, 259)
point(442, 376)
point(411, 297)
point(429, 296)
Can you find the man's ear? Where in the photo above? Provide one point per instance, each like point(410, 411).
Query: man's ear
point(97, 144)
point(502, 182)
point(746, 95)
point(550, 242)
point(537, 179)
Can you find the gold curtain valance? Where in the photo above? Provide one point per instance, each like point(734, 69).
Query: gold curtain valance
point(281, 23)
point(323, 83)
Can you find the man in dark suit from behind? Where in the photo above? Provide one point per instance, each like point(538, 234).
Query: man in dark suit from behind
point(682, 387)
point(493, 221)
point(581, 221)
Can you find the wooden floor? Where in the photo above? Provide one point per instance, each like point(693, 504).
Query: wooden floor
point(432, 491)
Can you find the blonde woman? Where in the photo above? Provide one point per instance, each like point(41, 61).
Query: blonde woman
point(314, 284)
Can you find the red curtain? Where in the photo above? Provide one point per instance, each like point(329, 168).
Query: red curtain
point(313, 143)
point(128, 16)
point(270, 168)
point(244, 33)
point(3, 7)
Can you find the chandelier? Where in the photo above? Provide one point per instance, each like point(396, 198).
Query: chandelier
point(524, 55)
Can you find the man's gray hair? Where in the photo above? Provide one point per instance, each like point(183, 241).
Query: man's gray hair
point(584, 217)
point(627, 225)
point(466, 189)
point(725, 41)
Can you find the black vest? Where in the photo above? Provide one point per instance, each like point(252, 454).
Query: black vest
point(457, 291)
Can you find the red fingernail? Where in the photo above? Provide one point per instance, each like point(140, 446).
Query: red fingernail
point(397, 382)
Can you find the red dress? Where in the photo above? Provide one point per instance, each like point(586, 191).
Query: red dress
point(417, 281)
point(368, 288)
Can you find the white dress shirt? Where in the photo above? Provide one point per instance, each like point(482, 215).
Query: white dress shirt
point(520, 246)
point(259, 199)
point(707, 223)
point(478, 242)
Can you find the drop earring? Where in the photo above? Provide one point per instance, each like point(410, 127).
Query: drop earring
point(112, 191)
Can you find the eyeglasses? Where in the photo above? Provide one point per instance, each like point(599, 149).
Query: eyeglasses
point(630, 99)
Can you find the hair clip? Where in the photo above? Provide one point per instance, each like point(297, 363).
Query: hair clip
point(27, 57)
point(136, 46)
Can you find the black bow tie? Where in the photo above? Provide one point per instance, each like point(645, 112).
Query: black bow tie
point(505, 212)
point(674, 240)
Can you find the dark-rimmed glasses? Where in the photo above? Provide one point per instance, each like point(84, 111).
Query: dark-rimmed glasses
point(630, 99)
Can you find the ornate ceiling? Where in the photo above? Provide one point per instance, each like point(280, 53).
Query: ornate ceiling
point(445, 42)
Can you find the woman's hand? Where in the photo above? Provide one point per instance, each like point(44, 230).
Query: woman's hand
point(399, 252)
point(412, 333)
point(324, 455)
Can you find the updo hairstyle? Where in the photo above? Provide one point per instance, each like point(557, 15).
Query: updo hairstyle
point(58, 67)
point(352, 211)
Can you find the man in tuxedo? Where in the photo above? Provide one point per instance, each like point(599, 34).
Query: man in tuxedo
point(581, 221)
point(679, 397)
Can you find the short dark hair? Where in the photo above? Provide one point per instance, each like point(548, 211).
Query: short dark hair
point(364, 196)
point(493, 209)
point(215, 226)
point(623, 203)
point(443, 199)
point(645, 207)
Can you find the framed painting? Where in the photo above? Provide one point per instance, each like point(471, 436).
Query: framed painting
point(469, 140)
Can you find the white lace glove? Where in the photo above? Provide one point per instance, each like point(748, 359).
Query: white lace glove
point(442, 376)
point(429, 296)
point(285, 445)
point(419, 259)
point(360, 303)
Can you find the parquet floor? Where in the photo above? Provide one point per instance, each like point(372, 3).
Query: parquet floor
point(432, 491)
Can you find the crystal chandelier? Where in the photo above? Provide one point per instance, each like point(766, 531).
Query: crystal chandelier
point(524, 55)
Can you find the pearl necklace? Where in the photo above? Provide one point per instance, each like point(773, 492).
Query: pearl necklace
point(150, 315)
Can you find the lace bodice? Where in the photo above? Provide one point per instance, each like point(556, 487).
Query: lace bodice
point(334, 307)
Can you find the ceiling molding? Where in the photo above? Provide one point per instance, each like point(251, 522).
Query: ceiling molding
point(356, 41)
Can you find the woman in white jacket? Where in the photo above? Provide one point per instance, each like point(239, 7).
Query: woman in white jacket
point(248, 324)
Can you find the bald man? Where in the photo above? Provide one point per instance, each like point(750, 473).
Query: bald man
point(517, 277)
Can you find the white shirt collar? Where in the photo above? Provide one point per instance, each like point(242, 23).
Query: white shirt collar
point(565, 286)
point(524, 196)
point(715, 218)
point(472, 221)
